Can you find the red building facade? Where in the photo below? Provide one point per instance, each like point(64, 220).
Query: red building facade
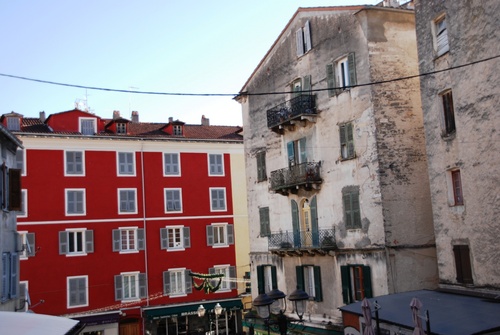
point(116, 216)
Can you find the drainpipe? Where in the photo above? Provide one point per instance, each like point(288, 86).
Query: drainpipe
point(144, 222)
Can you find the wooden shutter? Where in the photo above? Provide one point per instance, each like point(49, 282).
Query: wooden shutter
point(351, 64)
point(356, 213)
point(261, 166)
point(166, 282)
point(163, 238)
point(232, 274)
point(15, 197)
point(260, 279)
point(63, 243)
point(14, 274)
point(143, 292)
point(30, 241)
point(274, 278)
point(118, 287)
point(367, 282)
point(187, 237)
point(303, 150)
point(116, 240)
point(5, 276)
point(441, 37)
point(188, 280)
point(210, 235)
point(318, 292)
point(330, 80)
point(299, 271)
point(346, 284)
point(463, 264)
point(347, 210)
point(314, 221)
point(295, 224)
point(140, 239)
point(89, 241)
point(350, 140)
point(230, 234)
point(264, 221)
point(307, 36)
point(290, 148)
point(299, 37)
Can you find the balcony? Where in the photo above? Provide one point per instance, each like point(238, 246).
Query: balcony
point(304, 175)
point(298, 243)
point(295, 111)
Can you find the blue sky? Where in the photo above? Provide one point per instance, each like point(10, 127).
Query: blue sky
point(188, 46)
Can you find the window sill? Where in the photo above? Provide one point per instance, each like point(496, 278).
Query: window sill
point(175, 249)
point(449, 137)
point(129, 252)
point(341, 159)
point(76, 254)
point(177, 295)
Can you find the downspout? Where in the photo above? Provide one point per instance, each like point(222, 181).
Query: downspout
point(145, 233)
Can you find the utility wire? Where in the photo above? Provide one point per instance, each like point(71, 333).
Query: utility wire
point(244, 93)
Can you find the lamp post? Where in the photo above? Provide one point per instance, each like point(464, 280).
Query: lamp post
point(276, 299)
point(217, 311)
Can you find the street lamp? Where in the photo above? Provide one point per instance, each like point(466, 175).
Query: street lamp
point(217, 311)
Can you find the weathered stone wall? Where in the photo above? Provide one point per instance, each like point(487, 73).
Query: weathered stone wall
point(473, 29)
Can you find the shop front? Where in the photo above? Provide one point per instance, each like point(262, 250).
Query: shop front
point(186, 319)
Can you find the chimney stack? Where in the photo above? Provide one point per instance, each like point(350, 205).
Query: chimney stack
point(135, 116)
point(170, 119)
point(205, 121)
point(116, 115)
point(42, 116)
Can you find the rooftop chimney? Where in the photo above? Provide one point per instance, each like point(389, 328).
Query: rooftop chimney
point(116, 115)
point(135, 116)
point(42, 116)
point(170, 119)
point(205, 121)
point(391, 3)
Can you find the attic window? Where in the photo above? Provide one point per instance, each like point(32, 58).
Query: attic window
point(13, 123)
point(121, 128)
point(177, 129)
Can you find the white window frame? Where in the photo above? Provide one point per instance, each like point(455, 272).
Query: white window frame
point(225, 284)
point(165, 174)
point(121, 128)
point(127, 164)
point(133, 238)
point(23, 213)
point(135, 287)
point(216, 165)
point(68, 292)
point(220, 234)
point(268, 278)
point(173, 274)
point(212, 209)
point(68, 174)
point(165, 190)
point(23, 239)
point(177, 245)
point(70, 231)
point(66, 201)
point(120, 211)
point(81, 119)
point(177, 129)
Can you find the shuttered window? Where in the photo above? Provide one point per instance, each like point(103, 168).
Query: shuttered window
point(220, 234)
point(265, 228)
point(130, 286)
point(303, 39)
point(76, 242)
point(267, 279)
point(173, 200)
point(171, 164)
point(177, 282)
point(261, 166)
point(217, 199)
point(463, 264)
point(216, 166)
point(175, 238)
point(352, 214)
point(448, 113)
point(127, 201)
point(77, 291)
point(356, 283)
point(457, 188)
point(309, 280)
point(126, 163)
point(75, 202)
point(441, 36)
point(346, 141)
point(74, 163)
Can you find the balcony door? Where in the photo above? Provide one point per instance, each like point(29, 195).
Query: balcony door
point(305, 223)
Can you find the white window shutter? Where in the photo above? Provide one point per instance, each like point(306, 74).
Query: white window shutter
point(300, 42)
point(164, 238)
point(118, 287)
point(89, 241)
point(63, 243)
point(116, 240)
point(187, 237)
point(307, 37)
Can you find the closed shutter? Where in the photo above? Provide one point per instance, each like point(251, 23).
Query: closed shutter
point(260, 279)
point(274, 278)
point(295, 224)
point(210, 235)
point(318, 292)
point(232, 276)
point(230, 234)
point(351, 63)
point(143, 292)
point(5, 276)
point(63, 243)
point(346, 284)
point(367, 282)
point(15, 203)
point(188, 281)
point(350, 140)
point(89, 241)
point(116, 240)
point(314, 221)
point(307, 37)
point(118, 287)
point(261, 166)
point(265, 229)
point(140, 239)
point(164, 238)
point(187, 237)
point(330, 80)
point(355, 210)
point(299, 271)
point(166, 282)
point(14, 275)
point(299, 38)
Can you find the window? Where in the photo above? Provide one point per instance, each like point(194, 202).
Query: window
point(88, 126)
point(74, 163)
point(305, 222)
point(77, 291)
point(356, 283)
point(177, 282)
point(266, 278)
point(448, 113)
point(121, 128)
point(23, 212)
point(265, 228)
point(126, 164)
point(303, 39)
point(455, 192)
point(229, 273)
point(171, 164)
point(127, 199)
point(261, 166)
point(352, 215)
point(440, 36)
point(27, 243)
point(20, 162)
point(173, 200)
point(217, 199)
point(309, 280)
point(177, 129)
point(75, 242)
point(216, 165)
point(175, 238)
point(13, 123)
point(128, 239)
point(463, 264)
point(346, 72)
point(297, 153)
point(10, 275)
point(75, 202)
point(130, 286)
point(220, 234)
point(13, 195)
point(346, 141)
point(23, 296)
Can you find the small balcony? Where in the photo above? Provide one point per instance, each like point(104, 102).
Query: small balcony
point(295, 111)
point(299, 243)
point(290, 180)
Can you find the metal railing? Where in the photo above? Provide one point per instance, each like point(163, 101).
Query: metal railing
point(304, 104)
point(322, 238)
point(300, 174)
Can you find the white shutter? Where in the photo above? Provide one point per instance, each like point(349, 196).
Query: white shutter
point(300, 42)
point(307, 37)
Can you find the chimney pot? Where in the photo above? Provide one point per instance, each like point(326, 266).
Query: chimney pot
point(205, 121)
point(42, 116)
point(170, 119)
point(116, 115)
point(135, 116)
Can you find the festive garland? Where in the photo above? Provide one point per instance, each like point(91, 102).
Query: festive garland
point(206, 279)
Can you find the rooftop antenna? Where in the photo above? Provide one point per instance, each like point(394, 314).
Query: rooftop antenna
point(82, 104)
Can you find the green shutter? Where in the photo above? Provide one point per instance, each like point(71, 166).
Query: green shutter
point(264, 221)
point(330, 79)
point(274, 277)
point(116, 239)
point(351, 63)
point(318, 292)
point(300, 277)
point(367, 282)
point(314, 221)
point(343, 138)
point(347, 211)
point(346, 284)
point(290, 147)
point(356, 215)
point(187, 237)
point(118, 287)
point(295, 224)
point(303, 150)
point(350, 140)
point(260, 279)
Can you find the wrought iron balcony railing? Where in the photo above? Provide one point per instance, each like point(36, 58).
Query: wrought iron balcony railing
point(288, 111)
point(286, 241)
point(306, 175)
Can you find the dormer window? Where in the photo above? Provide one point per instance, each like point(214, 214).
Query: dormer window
point(177, 129)
point(121, 128)
point(13, 123)
point(88, 126)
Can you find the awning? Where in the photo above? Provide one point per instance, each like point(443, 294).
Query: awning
point(449, 313)
point(26, 323)
point(98, 319)
point(190, 309)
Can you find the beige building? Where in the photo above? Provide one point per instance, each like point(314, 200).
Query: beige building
point(461, 41)
point(338, 191)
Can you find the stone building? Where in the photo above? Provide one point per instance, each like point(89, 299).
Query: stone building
point(461, 41)
point(338, 191)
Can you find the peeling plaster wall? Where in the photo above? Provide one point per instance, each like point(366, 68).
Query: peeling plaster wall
point(473, 29)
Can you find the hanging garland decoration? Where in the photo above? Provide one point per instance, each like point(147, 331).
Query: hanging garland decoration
point(206, 284)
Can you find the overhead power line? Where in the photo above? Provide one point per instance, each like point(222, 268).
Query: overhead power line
point(243, 93)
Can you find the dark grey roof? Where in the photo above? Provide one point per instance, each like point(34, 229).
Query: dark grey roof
point(449, 313)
